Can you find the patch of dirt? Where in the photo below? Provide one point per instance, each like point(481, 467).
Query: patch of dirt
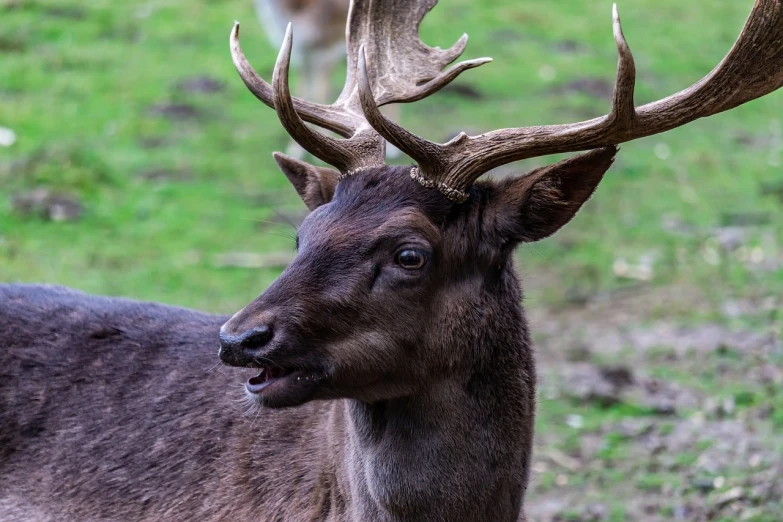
point(707, 338)
point(155, 142)
point(609, 385)
point(44, 167)
point(587, 382)
point(10, 44)
point(175, 111)
point(48, 205)
point(9, 5)
point(569, 47)
point(68, 12)
point(612, 323)
point(674, 448)
point(745, 219)
point(199, 84)
point(774, 188)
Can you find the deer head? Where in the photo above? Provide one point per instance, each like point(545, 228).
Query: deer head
point(404, 274)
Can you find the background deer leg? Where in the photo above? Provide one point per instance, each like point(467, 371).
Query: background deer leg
point(393, 113)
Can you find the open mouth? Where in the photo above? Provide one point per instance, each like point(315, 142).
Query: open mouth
point(275, 380)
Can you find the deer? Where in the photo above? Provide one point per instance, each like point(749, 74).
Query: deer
point(321, 44)
point(393, 375)
point(321, 26)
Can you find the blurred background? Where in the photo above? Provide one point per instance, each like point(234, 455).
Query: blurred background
point(134, 162)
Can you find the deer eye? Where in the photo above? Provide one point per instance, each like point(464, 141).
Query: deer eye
point(410, 259)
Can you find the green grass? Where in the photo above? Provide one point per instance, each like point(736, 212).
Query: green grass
point(80, 83)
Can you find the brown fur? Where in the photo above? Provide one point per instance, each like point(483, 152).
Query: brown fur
point(322, 22)
point(315, 185)
point(423, 411)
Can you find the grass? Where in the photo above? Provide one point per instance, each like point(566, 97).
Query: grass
point(82, 86)
point(88, 89)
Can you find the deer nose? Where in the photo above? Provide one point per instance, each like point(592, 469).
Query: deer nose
point(236, 349)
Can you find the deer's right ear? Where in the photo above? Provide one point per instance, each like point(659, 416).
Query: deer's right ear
point(315, 185)
point(535, 206)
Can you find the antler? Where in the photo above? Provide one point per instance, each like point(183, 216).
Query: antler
point(753, 68)
point(403, 70)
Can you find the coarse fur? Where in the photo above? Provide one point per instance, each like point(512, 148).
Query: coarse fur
point(112, 409)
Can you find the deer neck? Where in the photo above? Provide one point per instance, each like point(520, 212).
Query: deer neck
point(457, 450)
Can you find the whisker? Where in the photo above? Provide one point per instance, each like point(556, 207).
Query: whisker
point(283, 217)
point(214, 367)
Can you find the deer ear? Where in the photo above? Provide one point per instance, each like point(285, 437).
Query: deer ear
point(315, 185)
point(537, 205)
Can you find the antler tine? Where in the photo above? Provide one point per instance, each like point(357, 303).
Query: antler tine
point(753, 68)
point(402, 68)
point(623, 112)
point(409, 71)
point(419, 149)
point(363, 149)
point(321, 115)
point(418, 89)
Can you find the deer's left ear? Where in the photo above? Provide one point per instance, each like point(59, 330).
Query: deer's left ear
point(537, 205)
point(315, 185)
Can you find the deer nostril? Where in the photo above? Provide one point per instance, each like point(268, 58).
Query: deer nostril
point(256, 338)
point(249, 340)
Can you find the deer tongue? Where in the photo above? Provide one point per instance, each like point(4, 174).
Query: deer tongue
point(264, 378)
